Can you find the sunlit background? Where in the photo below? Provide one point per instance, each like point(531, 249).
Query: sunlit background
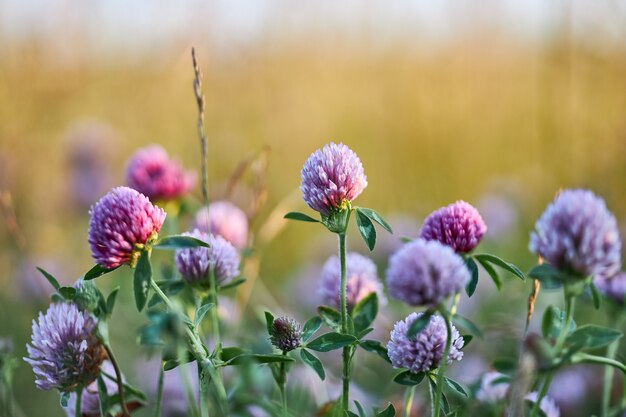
point(500, 104)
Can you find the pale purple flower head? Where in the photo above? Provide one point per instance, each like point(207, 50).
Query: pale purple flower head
point(151, 172)
point(578, 234)
point(425, 273)
point(64, 351)
point(331, 177)
point(286, 334)
point(225, 219)
point(362, 280)
point(458, 225)
point(492, 388)
point(614, 288)
point(90, 401)
point(120, 220)
point(194, 264)
point(547, 404)
point(423, 352)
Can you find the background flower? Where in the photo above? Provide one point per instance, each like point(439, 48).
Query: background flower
point(286, 334)
point(457, 225)
point(225, 219)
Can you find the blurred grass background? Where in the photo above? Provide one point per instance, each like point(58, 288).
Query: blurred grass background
point(483, 112)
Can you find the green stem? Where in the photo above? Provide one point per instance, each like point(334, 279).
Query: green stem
point(215, 321)
point(433, 409)
point(191, 401)
point(79, 396)
point(204, 393)
point(118, 380)
point(607, 386)
point(283, 385)
point(442, 364)
point(408, 401)
point(159, 396)
point(344, 322)
point(569, 313)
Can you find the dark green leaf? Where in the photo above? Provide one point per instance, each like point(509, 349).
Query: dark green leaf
point(180, 242)
point(419, 324)
point(201, 312)
point(360, 409)
point(505, 366)
point(313, 362)
point(467, 338)
point(310, 327)
point(330, 317)
point(141, 282)
point(591, 336)
point(366, 228)
point(349, 413)
point(65, 396)
point(387, 412)
point(229, 353)
point(595, 295)
point(372, 215)
point(331, 341)
point(365, 312)
point(455, 386)
point(52, 280)
point(235, 283)
point(111, 300)
point(492, 273)
point(507, 266)
point(374, 346)
point(269, 321)
point(68, 292)
point(473, 282)
point(102, 396)
point(97, 271)
point(467, 324)
point(175, 363)
point(549, 277)
point(259, 358)
point(295, 215)
point(364, 333)
point(408, 378)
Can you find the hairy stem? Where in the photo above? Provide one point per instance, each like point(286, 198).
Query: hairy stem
point(607, 386)
point(79, 396)
point(408, 401)
point(118, 380)
point(283, 385)
point(215, 321)
point(344, 322)
point(442, 364)
point(157, 412)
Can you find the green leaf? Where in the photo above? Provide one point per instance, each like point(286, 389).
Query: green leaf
point(549, 277)
point(52, 280)
point(408, 378)
point(331, 341)
point(492, 273)
point(295, 215)
point(228, 353)
point(375, 346)
point(111, 300)
point(419, 324)
point(507, 266)
point(235, 283)
point(201, 312)
point(455, 386)
point(366, 228)
point(68, 292)
point(467, 339)
point(103, 396)
point(467, 324)
point(97, 271)
point(310, 327)
point(259, 358)
point(372, 215)
point(330, 317)
point(350, 414)
point(360, 409)
point(595, 295)
point(505, 366)
point(141, 282)
point(592, 337)
point(269, 321)
point(313, 362)
point(179, 242)
point(65, 396)
point(387, 412)
point(365, 312)
point(473, 282)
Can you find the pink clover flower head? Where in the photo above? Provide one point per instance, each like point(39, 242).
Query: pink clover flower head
point(458, 225)
point(286, 334)
point(224, 219)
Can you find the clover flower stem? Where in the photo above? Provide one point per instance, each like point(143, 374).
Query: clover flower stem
point(282, 386)
point(159, 393)
point(204, 393)
point(431, 394)
point(215, 321)
point(79, 396)
point(607, 386)
point(191, 401)
point(455, 303)
point(442, 364)
point(408, 401)
point(118, 380)
point(344, 321)
point(569, 313)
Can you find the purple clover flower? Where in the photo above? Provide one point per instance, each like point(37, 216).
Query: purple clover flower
point(361, 279)
point(490, 392)
point(458, 225)
point(121, 220)
point(332, 177)
point(65, 352)
point(90, 401)
point(425, 273)
point(194, 263)
point(151, 172)
point(547, 404)
point(614, 288)
point(423, 352)
point(286, 334)
point(225, 219)
point(578, 234)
